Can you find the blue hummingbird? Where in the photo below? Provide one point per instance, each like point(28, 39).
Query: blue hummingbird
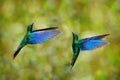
point(36, 36)
point(86, 44)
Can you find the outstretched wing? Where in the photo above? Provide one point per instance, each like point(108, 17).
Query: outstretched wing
point(39, 36)
point(92, 44)
point(95, 37)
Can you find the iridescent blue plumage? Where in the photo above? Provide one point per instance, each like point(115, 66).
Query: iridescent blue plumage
point(92, 44)
point(41, 36)
point(36, 36)
point(95, 38)
point(86, 44)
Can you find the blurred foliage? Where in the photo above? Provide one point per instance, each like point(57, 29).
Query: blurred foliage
point(50, 60)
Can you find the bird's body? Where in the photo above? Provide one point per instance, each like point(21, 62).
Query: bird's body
point(86, 44)
point(36, 37)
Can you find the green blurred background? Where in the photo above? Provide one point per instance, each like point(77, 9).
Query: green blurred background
point(50, 60)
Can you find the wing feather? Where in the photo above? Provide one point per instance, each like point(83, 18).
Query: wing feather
point(95, 37)
point(92, 44)
point(40, 36)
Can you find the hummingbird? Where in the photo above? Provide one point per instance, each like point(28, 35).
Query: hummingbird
point(36, 37)
point(86, 44)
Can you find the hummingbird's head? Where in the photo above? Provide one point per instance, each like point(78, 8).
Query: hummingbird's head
point(30, 27)
point(75, 36)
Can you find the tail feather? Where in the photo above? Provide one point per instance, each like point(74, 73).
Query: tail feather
point(16, 52)
point(74, 59)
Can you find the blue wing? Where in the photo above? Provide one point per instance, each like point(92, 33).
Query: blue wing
point(92, 44)
point(95, 37)
point(42, 35)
